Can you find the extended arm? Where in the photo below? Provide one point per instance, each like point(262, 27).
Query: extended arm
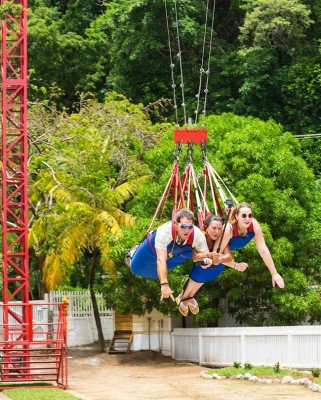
point(266, 255)
point(162, 274)
point(227, 259)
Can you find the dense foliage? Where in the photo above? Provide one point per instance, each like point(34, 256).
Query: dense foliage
point(96, 159)
point(262, 164)
point(265, 55)
point(90, 171)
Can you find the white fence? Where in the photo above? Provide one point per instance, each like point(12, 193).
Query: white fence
point(81, 323)
point(291, 346)
point(39, 318)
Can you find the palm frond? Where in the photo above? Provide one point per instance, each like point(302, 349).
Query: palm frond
point(54, 271)
point(37, 233)
point(73, 241)
point(109, 265)
point(127, 189)
point(78, 206)
point(123, 219)
point(106, 224)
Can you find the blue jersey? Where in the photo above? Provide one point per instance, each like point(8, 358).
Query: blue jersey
point(237, 241)
point(144, 261)
point(203, 275)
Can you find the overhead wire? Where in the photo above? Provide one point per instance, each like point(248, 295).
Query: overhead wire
point(218, 188)
point(208, 62)
point(172, 65)
point(202, 70)
point(180, 58)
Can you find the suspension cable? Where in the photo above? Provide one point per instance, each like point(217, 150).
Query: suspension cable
point(172, 65)
point(202, 70)
point(179, 56)
point(198, 96)
point(209, 62)
point(207, 71)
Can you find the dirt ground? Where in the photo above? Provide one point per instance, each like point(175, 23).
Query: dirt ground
point(145, 375)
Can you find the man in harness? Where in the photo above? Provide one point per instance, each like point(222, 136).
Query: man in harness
point(167, 247)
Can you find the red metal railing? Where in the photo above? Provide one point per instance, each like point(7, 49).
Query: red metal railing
point(44, 358)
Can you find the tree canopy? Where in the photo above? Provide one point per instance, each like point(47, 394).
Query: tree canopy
point(101, 149)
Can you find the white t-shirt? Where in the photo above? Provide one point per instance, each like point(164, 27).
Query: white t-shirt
point(164, 237)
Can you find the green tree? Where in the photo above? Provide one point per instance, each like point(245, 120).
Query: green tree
point(261, 164)
point(63, 63)
point(271, 38)
point(82, 179)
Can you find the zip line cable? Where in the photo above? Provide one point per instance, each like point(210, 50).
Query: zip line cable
point(202, 71)
point(198, 96)
point(208, 62)
point(179, 56)
point(172, 65)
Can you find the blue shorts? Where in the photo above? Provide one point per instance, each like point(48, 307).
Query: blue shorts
point(202, 275)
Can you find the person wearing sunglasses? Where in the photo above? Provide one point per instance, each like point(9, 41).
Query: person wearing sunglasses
point(167, 247)
point(199, 275)
point(242, 228)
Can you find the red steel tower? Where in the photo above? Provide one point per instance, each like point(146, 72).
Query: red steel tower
point(24, 354)
point(14, 179)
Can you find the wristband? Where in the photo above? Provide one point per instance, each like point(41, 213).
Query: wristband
point(235, 264)
point(164, 283)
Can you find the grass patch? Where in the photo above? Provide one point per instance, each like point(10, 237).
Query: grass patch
point(39, 394)
point(264, 372)
point(19, 384)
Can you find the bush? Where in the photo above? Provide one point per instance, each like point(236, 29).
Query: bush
point(248, 365)
point(277, 367)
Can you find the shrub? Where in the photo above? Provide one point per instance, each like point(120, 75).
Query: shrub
point(248, 365)
point(276, 367)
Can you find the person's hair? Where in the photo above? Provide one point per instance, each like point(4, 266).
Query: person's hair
point(236, 210)
point(211, 218)
point(184, 213)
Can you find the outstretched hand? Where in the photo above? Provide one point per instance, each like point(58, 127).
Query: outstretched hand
point(277, 279)
point(166, 292)
point(241, 266)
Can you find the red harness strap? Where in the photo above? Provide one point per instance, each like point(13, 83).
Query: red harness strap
point(236, 232)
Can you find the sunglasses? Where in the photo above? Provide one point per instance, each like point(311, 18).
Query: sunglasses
point(247, 215)
point(186, 226)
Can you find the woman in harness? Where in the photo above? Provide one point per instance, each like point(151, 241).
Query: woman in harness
point(167, 247)
point(237, 235)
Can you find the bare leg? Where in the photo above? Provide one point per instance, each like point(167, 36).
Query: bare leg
point(190, 289)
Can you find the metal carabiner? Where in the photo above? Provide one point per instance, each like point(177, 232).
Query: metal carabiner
point(190, 152)
point(203, 150)
point(177, 151)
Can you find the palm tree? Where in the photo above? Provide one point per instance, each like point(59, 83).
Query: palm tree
point(79, 230)
point(83, 174)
